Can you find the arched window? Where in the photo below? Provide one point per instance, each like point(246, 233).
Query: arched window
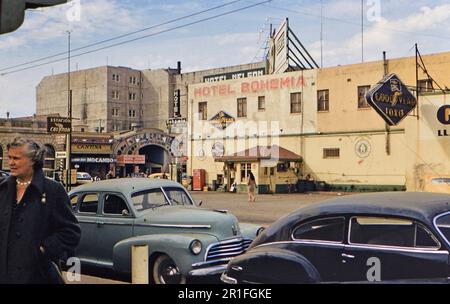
point(49, 162)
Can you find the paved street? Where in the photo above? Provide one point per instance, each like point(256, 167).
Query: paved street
point(266, 210)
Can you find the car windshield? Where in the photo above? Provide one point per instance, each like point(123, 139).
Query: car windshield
point(177, 196)
point(148, 199)
point(443, 225)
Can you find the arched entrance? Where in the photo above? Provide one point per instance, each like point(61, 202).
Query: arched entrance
point(141, 153)
point(157, 159)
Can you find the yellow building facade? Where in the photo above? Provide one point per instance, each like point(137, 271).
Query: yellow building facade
point(322, 116)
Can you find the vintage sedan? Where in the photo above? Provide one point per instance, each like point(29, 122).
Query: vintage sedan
point(380, 237)
point(183, 240)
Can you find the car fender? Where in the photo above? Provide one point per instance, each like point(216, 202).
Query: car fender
point(286, 267)
point(176, 246)
point(249, 231)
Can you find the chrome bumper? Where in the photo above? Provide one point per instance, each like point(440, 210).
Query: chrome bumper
point(213, 270)
point(226, 279)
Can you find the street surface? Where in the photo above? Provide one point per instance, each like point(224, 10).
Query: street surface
point(267, 209)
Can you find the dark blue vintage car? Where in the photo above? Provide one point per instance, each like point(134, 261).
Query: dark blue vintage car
point(381, 237)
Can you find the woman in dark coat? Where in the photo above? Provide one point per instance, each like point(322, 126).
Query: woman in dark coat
point(37, 225)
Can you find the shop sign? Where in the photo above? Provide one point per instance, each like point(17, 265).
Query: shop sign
point(62, 154)
point(222, 120)
point(59, 125)
point(391, 99)
point(176, 103)
point(91, 148)
point(130, 160)
point(92, 160)
point(235, 75)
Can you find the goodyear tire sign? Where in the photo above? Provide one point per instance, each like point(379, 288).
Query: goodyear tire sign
point(59, 125)
point(391, 99)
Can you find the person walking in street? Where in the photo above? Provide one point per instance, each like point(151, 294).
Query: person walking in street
point(37, 226)
point(251, 185)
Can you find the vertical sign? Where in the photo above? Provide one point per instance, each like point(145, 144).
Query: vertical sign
point(176, 104)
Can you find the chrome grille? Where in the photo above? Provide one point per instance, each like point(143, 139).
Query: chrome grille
point(227, 249)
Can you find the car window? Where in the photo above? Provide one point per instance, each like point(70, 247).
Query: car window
point(177, 196)
point(329, 230)
point(443, 225)
point(440, 181)
point(89, 203)
point(148, 199)
point(74, 201)
point(391, 232)
point(115, 205)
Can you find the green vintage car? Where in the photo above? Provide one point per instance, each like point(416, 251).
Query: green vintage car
point(183, 240)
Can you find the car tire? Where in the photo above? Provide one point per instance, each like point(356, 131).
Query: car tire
point(166, 271)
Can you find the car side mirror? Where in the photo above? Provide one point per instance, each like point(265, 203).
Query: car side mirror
point(125, 212)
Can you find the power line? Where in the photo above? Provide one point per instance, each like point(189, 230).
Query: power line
point(122, 36)
point(355, 23)
point(140, 38)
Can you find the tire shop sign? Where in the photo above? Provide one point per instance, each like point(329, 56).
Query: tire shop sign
point(391, 99)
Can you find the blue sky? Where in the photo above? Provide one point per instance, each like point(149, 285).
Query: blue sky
point(392, 26)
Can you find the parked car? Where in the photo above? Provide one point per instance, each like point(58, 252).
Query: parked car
point(384, 237)
point(83, 178)
point(183, 240)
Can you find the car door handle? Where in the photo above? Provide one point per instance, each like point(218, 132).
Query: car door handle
point(349, 256)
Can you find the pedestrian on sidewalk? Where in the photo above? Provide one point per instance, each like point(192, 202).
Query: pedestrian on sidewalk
point(37, 226)
point(251, 186)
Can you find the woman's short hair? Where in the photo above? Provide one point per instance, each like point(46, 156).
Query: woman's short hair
point(35, 152)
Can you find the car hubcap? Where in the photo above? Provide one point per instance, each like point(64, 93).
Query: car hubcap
point(169, 273)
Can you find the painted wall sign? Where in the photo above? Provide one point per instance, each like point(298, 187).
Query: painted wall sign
point(130, 160)
point(91, 148)
point(235, 75)
point(222, 120)
point(59, 125)
point(247, 87)
point(363, 148)
point(217, 149)
point(391, 99)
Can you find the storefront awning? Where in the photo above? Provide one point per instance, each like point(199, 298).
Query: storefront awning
point(261, 153)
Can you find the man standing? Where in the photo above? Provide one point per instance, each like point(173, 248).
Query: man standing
point(37, 225)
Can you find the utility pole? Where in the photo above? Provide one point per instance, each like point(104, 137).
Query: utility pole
point(69, 112)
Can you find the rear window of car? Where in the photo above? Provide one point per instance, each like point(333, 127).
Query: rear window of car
point(392, 232)
point(443, 225)
point(328, 230)
point(148, 199)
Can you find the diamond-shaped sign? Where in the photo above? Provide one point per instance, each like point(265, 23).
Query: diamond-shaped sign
point(222, 120)
point(391, 99)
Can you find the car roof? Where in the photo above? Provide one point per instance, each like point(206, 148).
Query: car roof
point(125, 185)
point(422, 206)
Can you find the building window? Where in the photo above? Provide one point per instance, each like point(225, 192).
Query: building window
point(203, 110)
point(242, 107)
point(132, 96)
point(262, 103)
point(323, 100)
point(132, 113)
point(296, 102)
point(362, 102)
point(116, 77)
point(425, 86)
point(246, 169)
point(132, 80)
point(115, 112)
point(115, 94)
point(331, 153)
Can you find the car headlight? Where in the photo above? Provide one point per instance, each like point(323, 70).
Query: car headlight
point(196, 247)
point(260, 230)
